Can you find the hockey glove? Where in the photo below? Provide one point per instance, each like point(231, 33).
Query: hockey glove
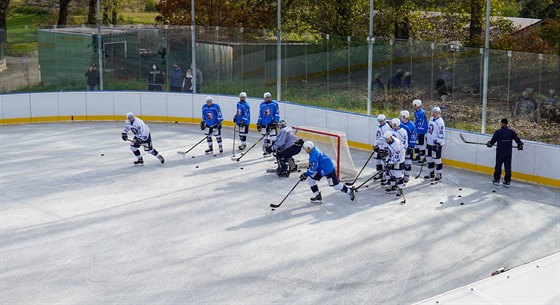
point(303, 177)
point(138, 141)
point(202, 125)
point(218, 126)
point(259, 127)
point(410, 151)
point(274, 124)
point(268, 149)
point(520, 146)
point(488, 144)
point(241, 124)
point(124, 136)
point(235, 119)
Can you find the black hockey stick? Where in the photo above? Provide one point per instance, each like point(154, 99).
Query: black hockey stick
point(186, 152)
point(421, 167)
point(368, 180)
point(274, 206)
point(254, 144)
point(479, 143)
point(234, 127)
point(352, 183)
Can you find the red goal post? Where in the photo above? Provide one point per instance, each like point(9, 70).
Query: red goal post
point(334, 144)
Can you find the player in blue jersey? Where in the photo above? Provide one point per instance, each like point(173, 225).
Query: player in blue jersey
point(267, 124)
point(212, 124)
point(142, 137)
point(410, 128)
point(421, 123)
point(320, 165)
point(380, 144)
point(242, 119)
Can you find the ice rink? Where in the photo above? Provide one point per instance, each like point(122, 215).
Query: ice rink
point(80, 224)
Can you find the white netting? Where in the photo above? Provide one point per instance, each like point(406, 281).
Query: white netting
point(334, 144)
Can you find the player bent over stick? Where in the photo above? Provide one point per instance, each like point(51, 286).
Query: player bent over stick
point(287, 145)
point(321, 165)
point(212, 124)
point(142, 137)
point(395, 164)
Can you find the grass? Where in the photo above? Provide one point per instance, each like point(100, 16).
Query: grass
point(22, 28)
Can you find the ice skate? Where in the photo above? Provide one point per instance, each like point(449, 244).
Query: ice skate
point(399, 193)
point(406, 178)
point(430, 176)
point(352, 195)
point(221, 150)
point(390, 189)
point(242, 147)
point(160, 157)
point(505, 184)
point(438, 178)
point(140, 161)
point(209, 151)
point(317, 199)
point(496, 182)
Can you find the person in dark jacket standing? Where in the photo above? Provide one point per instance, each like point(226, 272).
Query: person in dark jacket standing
point(93, 81)
point(504, 137)
point(156, 78)
point(175, 79)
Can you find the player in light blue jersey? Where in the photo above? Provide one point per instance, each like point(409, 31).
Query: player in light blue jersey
point(142, 137)
point(320, 165)
point(421, 123)
point(212, 124)
point(267, 124)
point(242, 119)
point(410, 128)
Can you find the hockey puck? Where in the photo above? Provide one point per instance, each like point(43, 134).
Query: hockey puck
point(462, 203)
point(299, 170)
point(272, 209)
point(459, 196)
point(493, 191)
point(192, 157)
point(460, 189)
point(102, 155)
point(367, 185)
point(241, 168)
point(176, 122)
point(197, 166)
point(441, 202)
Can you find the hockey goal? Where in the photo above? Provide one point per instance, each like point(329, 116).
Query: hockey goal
point(334, 144)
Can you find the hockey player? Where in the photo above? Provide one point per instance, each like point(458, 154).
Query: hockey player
point(286, 146)
point(400, 134)
point(380, 145)
point(395, 163)
point(410, 128)
point(421, 124)
point(267, 124)
point(142, 137)
point(504, 137)
point(320, 165)
point(211, 124)
point(242, 119)
point(435, 139)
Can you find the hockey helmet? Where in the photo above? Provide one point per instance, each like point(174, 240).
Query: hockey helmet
point(381, 118)
point(405, 114)
point(436, 109)
point(396, 123)
point(130, 116)
point(387, 135)
point(417, 103)
point(282, 124)
point(243, 94)
point(267, 94)
point(208, 99)
point(308, 145)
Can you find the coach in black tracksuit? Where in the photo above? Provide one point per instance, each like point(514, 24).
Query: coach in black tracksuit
point(504, 137)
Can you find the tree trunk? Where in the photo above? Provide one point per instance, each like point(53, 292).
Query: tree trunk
point(475, 28)
point(3, 14)
point(63, 12)
point(92, 12)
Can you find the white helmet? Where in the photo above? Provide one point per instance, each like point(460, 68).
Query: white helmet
point(396, 122)
point(405, 114)
point(308, 145)
point(209, 98)
point(267, 94)
point(387, 134)
point(381, 117)
point(436, 109)
point(417, 103)
point(129, 116)
point(243, 94)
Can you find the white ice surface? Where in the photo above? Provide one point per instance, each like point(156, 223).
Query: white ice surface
point(77, 227)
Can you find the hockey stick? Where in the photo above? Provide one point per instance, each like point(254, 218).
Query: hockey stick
point(368, 180)
point(421, 167)
point(234, 126)
point(186, 152)
point(254, 144)
point(479, 143)
point(352, 183)
point(274, 206)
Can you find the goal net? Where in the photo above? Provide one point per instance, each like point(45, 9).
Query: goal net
point(334, 144)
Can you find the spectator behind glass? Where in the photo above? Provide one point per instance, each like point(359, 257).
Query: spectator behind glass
point(92, 75)
point(175, 79)
point(188, 86)
point(156, 78)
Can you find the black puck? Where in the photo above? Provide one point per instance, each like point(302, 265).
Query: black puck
point(272, 209)
point(460, 189)
point(197, 166)
point(462, 203)
point(459, 196)
point(102, 155)
point(441, 202)
point(493, 191)
point(241, 168)
point(367, 185)
point(192, 157)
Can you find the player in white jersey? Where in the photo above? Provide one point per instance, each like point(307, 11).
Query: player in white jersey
point(435, 139)
point(142, 137)
point(395, 163)
point(381, 145)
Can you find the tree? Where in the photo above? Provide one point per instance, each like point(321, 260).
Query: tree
point(63, 12)
point(4, 4)
point(92, 10)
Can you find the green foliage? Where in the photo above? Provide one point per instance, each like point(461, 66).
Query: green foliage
point(150, 6)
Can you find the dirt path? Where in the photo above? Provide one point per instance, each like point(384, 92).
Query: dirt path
point(20, 72)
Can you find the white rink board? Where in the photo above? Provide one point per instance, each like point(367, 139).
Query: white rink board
point(163, 105)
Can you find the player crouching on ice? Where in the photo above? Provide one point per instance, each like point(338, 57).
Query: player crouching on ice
point(286, 146)
point(142, 137)
point(321, 165)
point(395, 163)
